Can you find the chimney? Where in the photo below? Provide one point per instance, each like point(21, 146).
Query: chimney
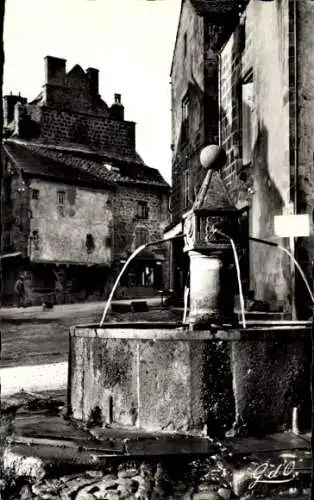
point(117, 109)
point(19, 113)
point(93, 77)
point(54, 70)
point(9, 102)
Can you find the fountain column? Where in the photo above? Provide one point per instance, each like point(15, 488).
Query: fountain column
point(212, 273)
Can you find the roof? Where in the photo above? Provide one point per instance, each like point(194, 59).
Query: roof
point(213, 194)
point(37, 164)
point(78, 165)
point(204, 7)
point(40, 101)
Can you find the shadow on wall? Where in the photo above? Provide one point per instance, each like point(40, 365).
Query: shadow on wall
point(268, 202)
point(193, 137)
point(255, 180)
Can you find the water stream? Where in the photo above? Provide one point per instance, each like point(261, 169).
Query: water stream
point(237, 264)
point(299, 269)
point(291, 256)
point(127, 263)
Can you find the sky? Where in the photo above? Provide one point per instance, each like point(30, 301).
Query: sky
point(131, 43)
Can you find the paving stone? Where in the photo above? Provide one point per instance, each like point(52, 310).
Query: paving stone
point(18, 465)
point(224, 493)
point(206, 495)
point(26, 493)
point(127, 473)
point(84, 495)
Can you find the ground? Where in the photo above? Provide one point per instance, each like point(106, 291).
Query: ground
point(32, 336)
point(47, 456)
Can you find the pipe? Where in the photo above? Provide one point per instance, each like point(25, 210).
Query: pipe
point(219, 98)
point(266, 242)
point(295, 200)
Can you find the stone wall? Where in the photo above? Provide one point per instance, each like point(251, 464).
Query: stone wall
point(188, 81)
point(305, 130)
point(16, 212)
point(59, 230)
point(102, 134)
point(127, 221)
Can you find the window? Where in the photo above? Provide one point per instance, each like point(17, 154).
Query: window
point(247, 97)
point(185, 45)
point(35, 194)
point(185, 109)
point(61, 202)
point(186, 188)
point(35, 240)
point(7, 239)
point(61, 197)
point(142, 210)
point(141, 236)
point(185, 119)
point(90, 243)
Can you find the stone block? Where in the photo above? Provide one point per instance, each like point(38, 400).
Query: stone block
point(161, 378)
point(18, 465)
point(157, 379)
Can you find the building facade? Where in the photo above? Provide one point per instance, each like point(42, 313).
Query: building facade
point(263, 117)
point(195, 116)
point(77, 198)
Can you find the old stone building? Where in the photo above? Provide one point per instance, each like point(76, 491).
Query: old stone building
point(242, 77)
point(77, 197)
point(194, 97)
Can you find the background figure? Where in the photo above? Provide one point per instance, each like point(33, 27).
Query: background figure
point(20, 291)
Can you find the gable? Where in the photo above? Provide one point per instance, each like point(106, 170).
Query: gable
point(76, 78)
point(187, 14)
point(77, 72)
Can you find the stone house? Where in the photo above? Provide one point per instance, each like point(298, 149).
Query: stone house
point(241, 77)
point(77, 198)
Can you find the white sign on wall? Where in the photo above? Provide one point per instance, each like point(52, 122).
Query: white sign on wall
point(292, 226)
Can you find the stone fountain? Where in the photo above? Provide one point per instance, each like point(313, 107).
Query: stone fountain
point(210, 374)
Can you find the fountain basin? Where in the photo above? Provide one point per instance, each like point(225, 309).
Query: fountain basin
point(162, 377)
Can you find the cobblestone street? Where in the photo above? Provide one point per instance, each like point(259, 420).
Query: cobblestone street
point(32, 336)
point(42, 461)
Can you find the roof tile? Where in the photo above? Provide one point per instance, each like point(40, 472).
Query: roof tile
point(83, 166)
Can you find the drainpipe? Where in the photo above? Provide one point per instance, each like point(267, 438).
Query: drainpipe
point(295, 107)
point(292, 240)
point(219, 98)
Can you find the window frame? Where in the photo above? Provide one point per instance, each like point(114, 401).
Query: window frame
point(139, 232)
point(59, 200)
point(246, 123)
point(185, 118)
point(142, 209)
point(186, 188)
point(35, 194)
point(185, 44)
